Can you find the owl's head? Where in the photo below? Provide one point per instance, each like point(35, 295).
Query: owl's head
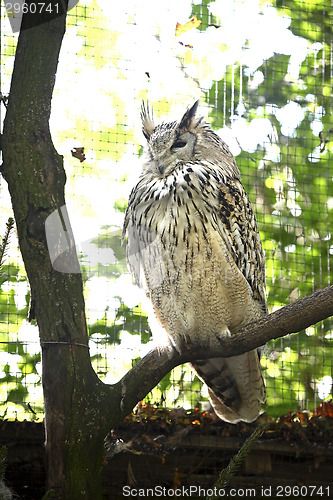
point(171, 145)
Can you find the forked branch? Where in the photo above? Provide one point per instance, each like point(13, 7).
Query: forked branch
point(294, 317)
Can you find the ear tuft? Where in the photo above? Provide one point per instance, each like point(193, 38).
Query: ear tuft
point(147, 119)
point(188, 121)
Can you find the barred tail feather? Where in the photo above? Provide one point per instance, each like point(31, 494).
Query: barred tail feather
point(236, 387)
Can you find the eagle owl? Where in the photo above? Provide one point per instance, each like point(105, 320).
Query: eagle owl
point(194, 247)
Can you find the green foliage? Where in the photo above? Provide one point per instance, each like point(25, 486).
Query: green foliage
point(133, 320)
point(311, 20)
point(11, 319)
point(202, 11)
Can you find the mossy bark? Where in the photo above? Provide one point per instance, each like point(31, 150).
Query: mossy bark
point(74, 396)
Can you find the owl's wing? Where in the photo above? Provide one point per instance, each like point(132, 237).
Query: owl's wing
point(238, 227)
point(236, 386)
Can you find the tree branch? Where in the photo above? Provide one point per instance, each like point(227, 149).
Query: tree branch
point(146, 374)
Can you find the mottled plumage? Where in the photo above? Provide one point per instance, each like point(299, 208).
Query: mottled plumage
point(194, 247)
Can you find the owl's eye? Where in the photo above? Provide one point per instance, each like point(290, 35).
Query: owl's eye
point(178, 145)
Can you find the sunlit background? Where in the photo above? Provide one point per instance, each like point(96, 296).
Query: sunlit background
point(263, 74)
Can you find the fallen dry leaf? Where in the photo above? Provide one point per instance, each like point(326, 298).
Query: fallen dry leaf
point(78, 153)
point(183, 28)
point(325, 409)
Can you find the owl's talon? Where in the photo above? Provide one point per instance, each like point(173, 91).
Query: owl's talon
point(221, 336)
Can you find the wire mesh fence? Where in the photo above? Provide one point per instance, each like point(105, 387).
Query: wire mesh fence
point(263, 74)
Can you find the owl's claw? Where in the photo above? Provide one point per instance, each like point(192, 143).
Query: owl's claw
point(222, 335)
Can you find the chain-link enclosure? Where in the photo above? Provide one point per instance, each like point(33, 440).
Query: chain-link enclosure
point(263, 74)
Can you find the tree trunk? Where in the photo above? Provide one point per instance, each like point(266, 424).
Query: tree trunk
point(36, 178)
